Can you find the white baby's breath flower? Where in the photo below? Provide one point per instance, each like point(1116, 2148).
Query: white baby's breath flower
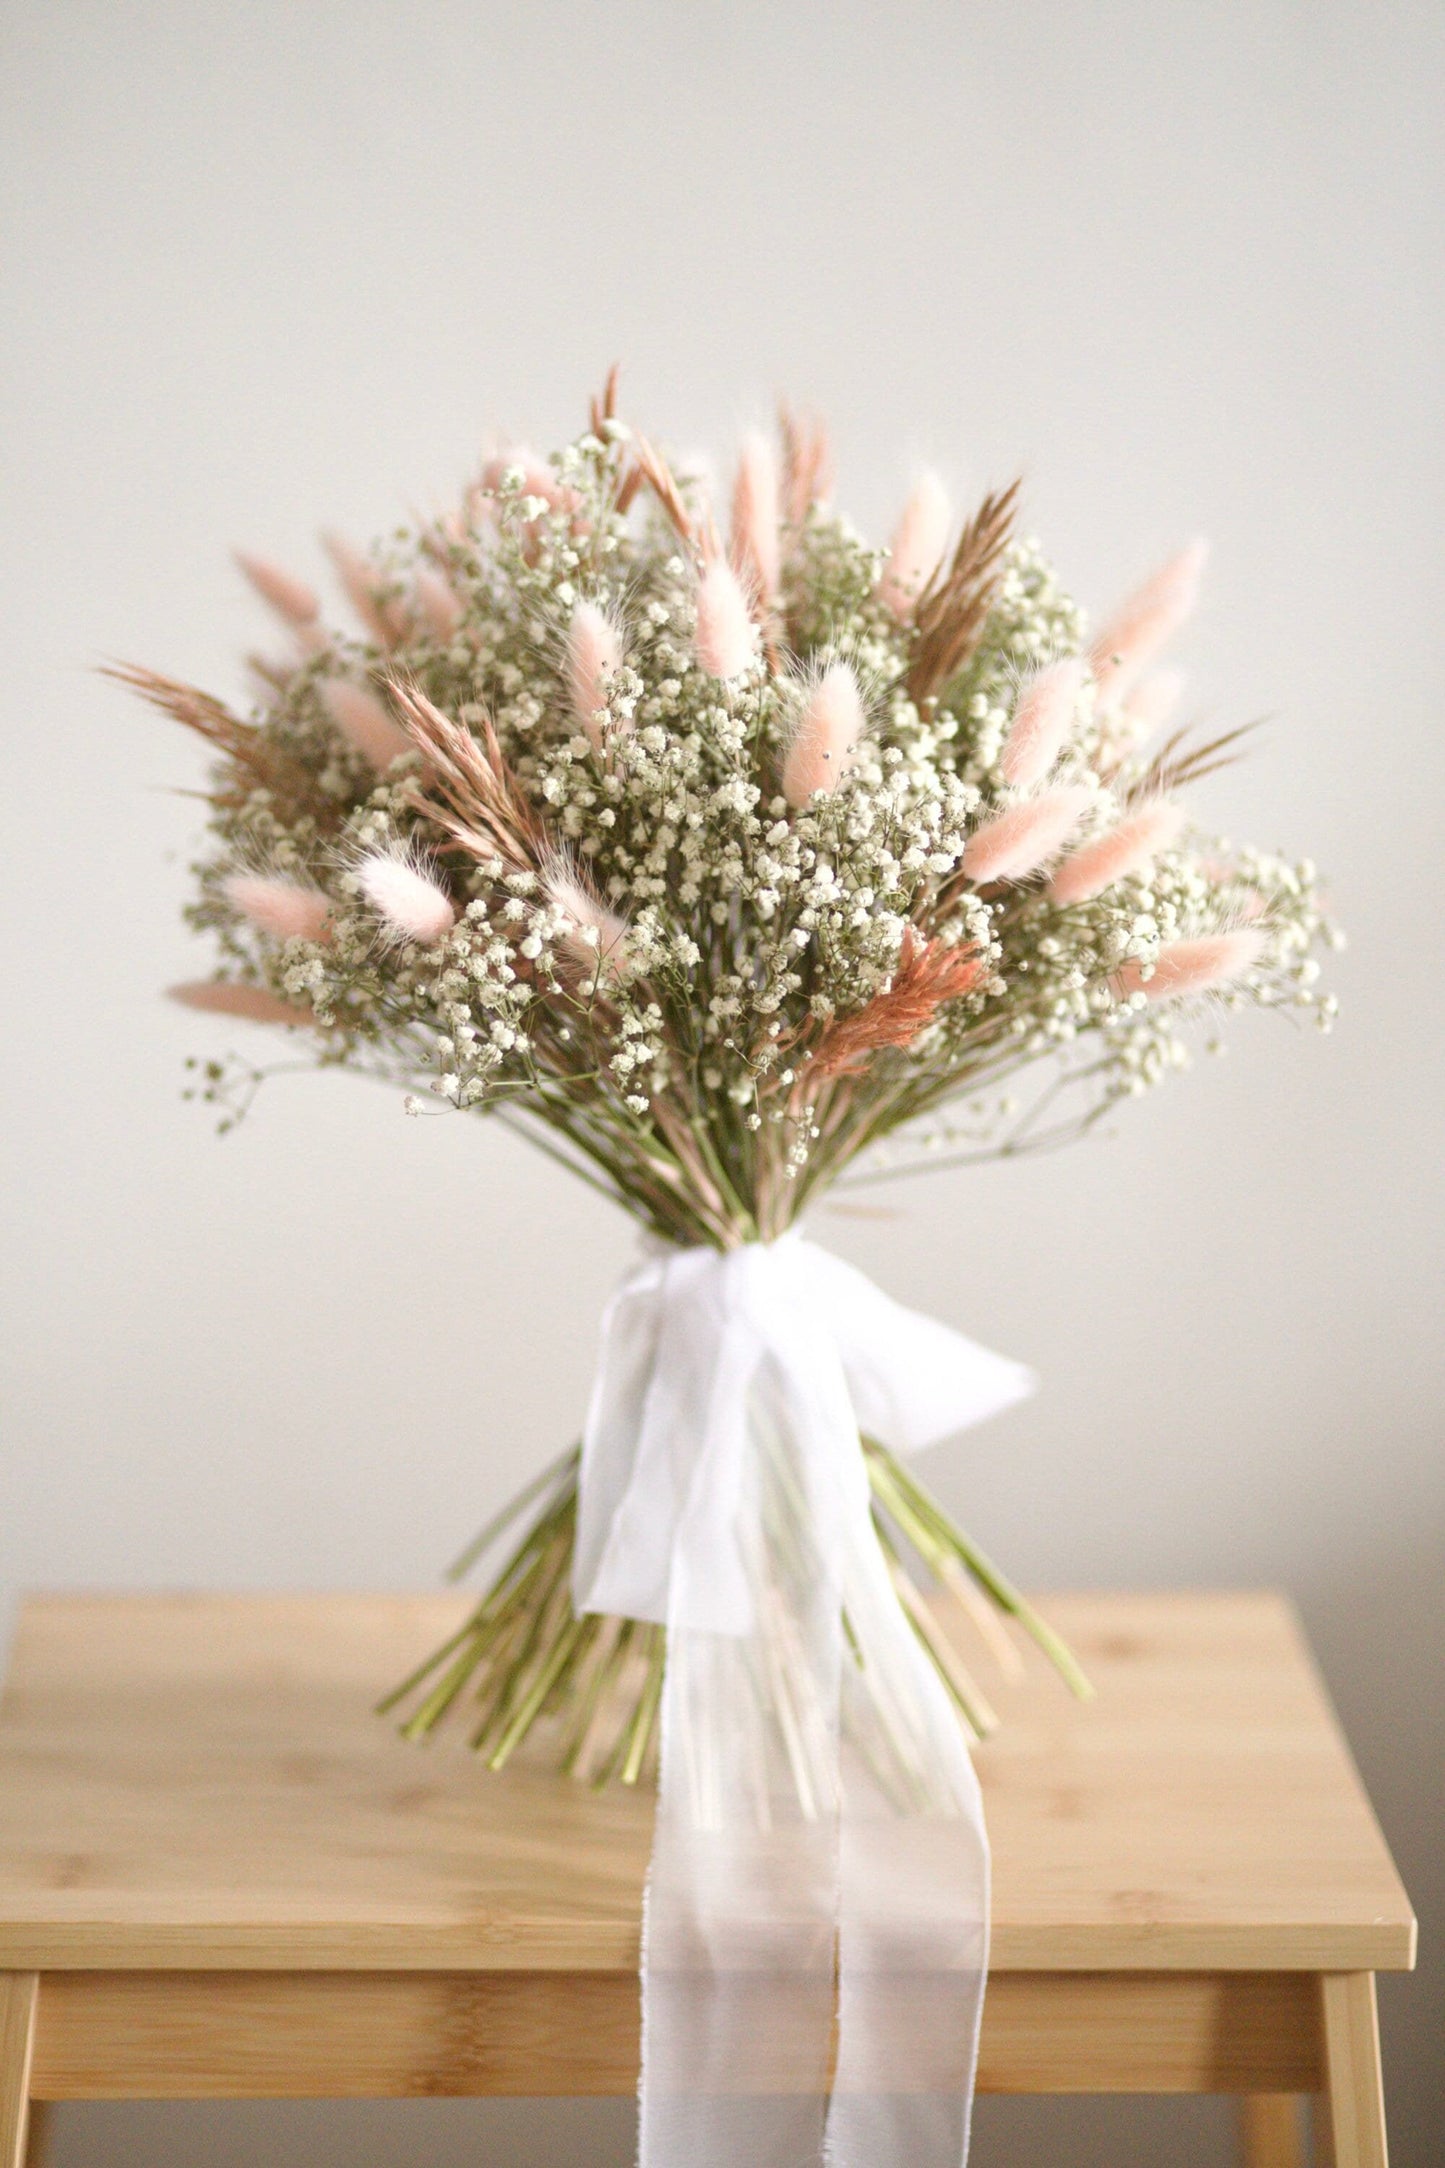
point(691, 816)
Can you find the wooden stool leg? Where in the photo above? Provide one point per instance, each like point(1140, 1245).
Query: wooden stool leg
point(1351, 2124)
point(42, 2122)
point(18, 1997)
point(1271, 2133)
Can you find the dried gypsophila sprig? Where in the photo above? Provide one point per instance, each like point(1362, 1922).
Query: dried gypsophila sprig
point(620, 689)
point(717, 860)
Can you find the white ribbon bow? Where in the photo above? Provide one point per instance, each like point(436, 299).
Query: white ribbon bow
point(817, 1812)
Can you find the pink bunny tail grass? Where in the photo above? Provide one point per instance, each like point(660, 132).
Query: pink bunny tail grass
point(1122, 849)
point(597, 936)
point(292, 600)
point(412, 905)
point(364, 722)
point(1192, 967)
point(807, 464)
point(594, 651)
point(1125, 726)
point(273, 673)
point(1151, 703)
point(291, 910)
point(756, 552)
point(918, 544)
point(828, 732)
point(441, 612)
point(727, 638)
point(1019, 841)
point(538, 480)
point(385, 621)
point(1042, 720)
point(1140, 628)
point(251, 1002)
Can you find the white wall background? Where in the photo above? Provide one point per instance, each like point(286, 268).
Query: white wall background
point(270, 265)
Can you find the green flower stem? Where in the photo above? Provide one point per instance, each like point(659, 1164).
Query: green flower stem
point(897, 1486)
point(538, 1659)
point(480, 1544)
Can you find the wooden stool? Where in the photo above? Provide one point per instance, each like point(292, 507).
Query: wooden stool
point(222, 1877)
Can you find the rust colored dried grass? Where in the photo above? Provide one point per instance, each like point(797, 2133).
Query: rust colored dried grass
point(929, 974)
point(950, 614)
point(472, 793)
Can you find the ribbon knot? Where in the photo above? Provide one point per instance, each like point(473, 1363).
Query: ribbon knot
point(817, 1809)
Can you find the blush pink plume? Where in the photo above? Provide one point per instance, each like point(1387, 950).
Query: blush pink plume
point(828, 731)
point(1193, 967)
point(291, 910)
point(807, 464)
point(291, 599)
point(756, 551)
point(594, 651)
point(1127, 725)
point(1151, 703)
point(364, 722)
point(538, 480)
point(436, 600)
point(384, 620)
point(217, 998)
point(412, 905)
point(596, 937)
point(1042, 720)
point(1026, 836)
point(727, 638)
point(1122, 849)
point(1130, 640)
point(917, 547)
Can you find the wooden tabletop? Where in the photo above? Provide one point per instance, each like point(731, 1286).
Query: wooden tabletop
point(198, 1781)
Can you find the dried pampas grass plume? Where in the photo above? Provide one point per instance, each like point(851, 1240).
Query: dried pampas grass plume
point(828, 731)
point(594, 651)
point(364, 722)
point(1042, 720)
point(411, 902)
point(1122, 849)
point(252, 1003)
point(289, 910)
point(756, 551)
point(916, 550)
point(726, 638)
point(1026, 836)
point(1147, 621)
point(1192, 967)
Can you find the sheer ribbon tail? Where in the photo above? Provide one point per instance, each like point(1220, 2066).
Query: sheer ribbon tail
point(819, 1855)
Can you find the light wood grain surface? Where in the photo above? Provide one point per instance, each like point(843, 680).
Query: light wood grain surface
point(19, 2004)
point(319, 2035)
point(1271, 2130)
point(198, 1782)
point(1354, 2097)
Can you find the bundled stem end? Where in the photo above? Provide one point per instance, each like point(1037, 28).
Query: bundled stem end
point(588, 1689)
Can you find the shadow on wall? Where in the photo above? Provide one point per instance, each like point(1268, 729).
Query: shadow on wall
point(590, 2133)
point(1379, 1634)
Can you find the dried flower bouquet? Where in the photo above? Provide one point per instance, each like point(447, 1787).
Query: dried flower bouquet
point(720, 865)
